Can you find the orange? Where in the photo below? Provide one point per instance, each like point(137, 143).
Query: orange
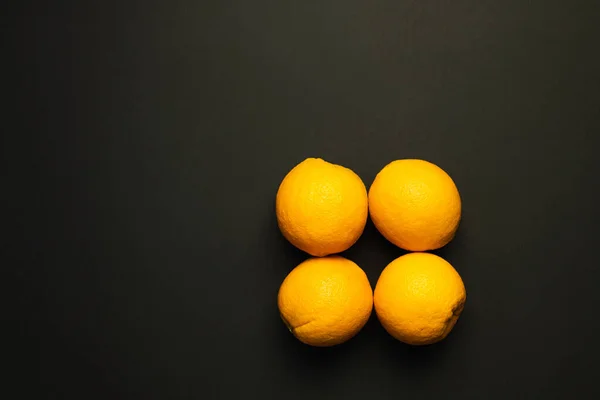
point(325, 301)
point(418, 298)
point(415, 205)
point(321, 208)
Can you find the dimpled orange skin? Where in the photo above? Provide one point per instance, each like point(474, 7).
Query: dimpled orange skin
point(325, 301)
point(321, 208)
point(418, 298)
point(415, 205)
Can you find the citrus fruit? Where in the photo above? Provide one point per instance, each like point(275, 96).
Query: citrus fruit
point(325, 301)
point(321, 207)
point(418, 298)
point(415, 205)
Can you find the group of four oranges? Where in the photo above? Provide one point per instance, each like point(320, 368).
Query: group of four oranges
point(322, 209)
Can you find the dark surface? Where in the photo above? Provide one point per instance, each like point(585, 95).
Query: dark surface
point(145, 142)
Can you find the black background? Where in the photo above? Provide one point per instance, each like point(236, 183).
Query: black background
point(145, 140)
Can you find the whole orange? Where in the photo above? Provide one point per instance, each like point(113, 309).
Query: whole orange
point(415, 205)
point(321, 208)
point(325, 301)
point(418, 298)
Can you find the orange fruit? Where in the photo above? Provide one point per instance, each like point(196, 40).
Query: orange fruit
point(418, 298)
point(325, 301)
point(415, 205)
point(321, 208)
